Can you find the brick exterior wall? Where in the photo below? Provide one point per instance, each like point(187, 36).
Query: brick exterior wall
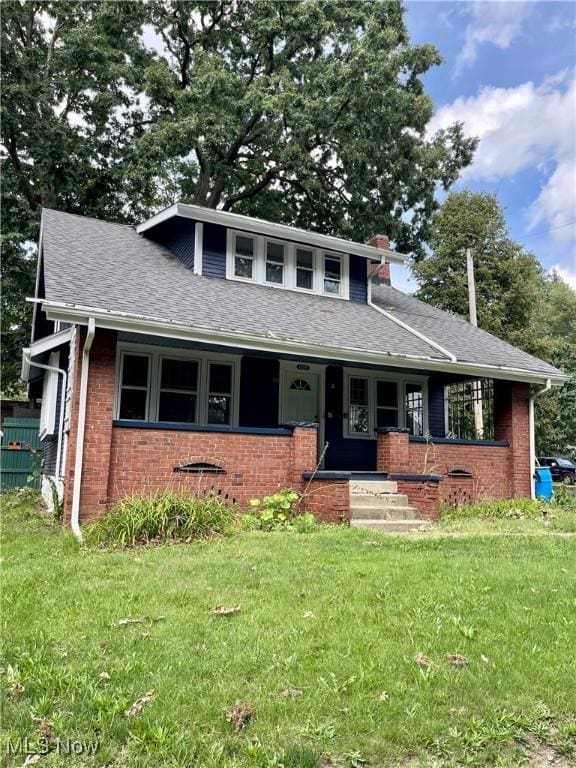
point(328, 499)
point(119, 461)
point(497, 472)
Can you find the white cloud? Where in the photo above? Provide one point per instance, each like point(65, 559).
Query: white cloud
point(568, 275)
point(497, 23)
point(523, 127)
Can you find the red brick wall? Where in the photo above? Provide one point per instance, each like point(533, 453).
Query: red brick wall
point(143, 460)
point(328, 499)
point(424, 495)
point(498, 472)
point(120, 461)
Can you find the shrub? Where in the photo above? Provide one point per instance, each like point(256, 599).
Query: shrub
point(163, 516)
point(278, 511)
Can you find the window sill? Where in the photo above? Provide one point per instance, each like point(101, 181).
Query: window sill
point(181, 427)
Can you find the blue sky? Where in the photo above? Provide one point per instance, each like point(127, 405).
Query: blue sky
point(508, 74)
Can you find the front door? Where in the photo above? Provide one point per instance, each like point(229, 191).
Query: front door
point(300, 397)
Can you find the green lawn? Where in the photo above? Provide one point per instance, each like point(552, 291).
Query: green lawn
point(322, 648)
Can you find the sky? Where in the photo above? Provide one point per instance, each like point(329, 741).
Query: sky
point(509, 75)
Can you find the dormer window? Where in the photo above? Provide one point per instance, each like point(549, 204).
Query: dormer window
point(258, 259)
point(274, 262)
point(305, 269)
point(332, 274)
point(244, 251)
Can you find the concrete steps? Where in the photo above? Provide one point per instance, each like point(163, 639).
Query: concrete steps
point(376, 504)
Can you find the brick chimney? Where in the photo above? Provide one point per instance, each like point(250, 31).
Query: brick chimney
point(382, 243)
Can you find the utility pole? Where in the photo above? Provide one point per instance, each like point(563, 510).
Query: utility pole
point(476, 385)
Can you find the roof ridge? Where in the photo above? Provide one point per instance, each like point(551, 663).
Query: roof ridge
point(86, 218)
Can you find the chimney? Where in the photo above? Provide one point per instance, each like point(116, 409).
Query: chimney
point(382, 243)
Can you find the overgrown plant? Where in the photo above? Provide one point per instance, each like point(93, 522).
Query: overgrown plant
point(163, 516)
point(278, 510)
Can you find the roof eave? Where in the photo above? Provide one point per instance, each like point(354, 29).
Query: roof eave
point(269, 228)
point(224, 337)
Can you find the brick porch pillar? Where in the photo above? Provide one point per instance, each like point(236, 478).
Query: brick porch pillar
point(304, 452)
point(98, 429)
point(511, 422)
point(392, 450)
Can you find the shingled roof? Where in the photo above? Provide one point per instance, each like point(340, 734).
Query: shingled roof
point(90, 263)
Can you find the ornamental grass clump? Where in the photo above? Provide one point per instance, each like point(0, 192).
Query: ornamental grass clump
point(163, 517)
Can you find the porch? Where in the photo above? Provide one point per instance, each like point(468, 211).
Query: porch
point(169, 413)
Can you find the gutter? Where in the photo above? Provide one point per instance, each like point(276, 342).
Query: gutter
point(145, 324)
point(401, 323)
point(532, 433)
point(79, 457)
point(61, 372)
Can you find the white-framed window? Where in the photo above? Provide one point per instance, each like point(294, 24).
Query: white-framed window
point(259, 259)
point(373, 399)
point(158, 384)
point(134, 386)
point(332, 273)
point(49, 398)
point(305, 268)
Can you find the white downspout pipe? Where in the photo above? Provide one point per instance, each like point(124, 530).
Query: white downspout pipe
point(401, 323)
point(60, 372)
point(532, 434)
point(79, 457)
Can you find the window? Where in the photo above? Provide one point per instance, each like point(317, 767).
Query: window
point(304, 269)
point(274, 262)
point(414, 408)
point(244, 253)
point(134, 384)
point(332, 274)
point(359, 418)
point(286, 265)
point(193, 388)
point(219, 393)
point(386, 403)
point(376, 402)
point(178, 390)
point(470, 409)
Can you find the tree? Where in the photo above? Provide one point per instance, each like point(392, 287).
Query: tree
point(69, 79)
point(309, 112)
point(556, 410)
point(509, 281)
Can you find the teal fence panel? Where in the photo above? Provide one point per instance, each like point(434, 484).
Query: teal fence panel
point(21, 453)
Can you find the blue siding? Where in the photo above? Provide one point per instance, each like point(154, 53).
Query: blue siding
point(343, 453)
point(177, 234)
point(214, 251)
point(358, 279)
point(259, 392)
point(436, 423)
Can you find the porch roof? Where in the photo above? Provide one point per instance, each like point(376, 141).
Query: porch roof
point(111, 272)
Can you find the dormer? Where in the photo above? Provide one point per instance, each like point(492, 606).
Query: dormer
point(230, 246)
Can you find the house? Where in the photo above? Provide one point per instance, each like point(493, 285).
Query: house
point(204, 349)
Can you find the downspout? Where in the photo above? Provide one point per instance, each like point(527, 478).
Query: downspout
point(60, 372)
point(401, 323)
point(78, 459)
point(532, 433)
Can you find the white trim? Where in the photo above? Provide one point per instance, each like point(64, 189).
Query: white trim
point(144, 324)
point(270, 229)
point(259, 260)
point(372, 377)
point(291, 367)
point(411, 330)
point(49, 397)
point(157, 353)
point(532, 434)
point(198, 247)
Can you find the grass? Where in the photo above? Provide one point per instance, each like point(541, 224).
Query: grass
point(322, 648)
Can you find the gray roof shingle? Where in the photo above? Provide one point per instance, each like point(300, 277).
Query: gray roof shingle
point(92, 263)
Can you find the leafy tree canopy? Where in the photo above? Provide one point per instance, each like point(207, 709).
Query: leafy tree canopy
point(307, 112)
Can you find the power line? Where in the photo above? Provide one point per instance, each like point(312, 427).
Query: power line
point(545, 231)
